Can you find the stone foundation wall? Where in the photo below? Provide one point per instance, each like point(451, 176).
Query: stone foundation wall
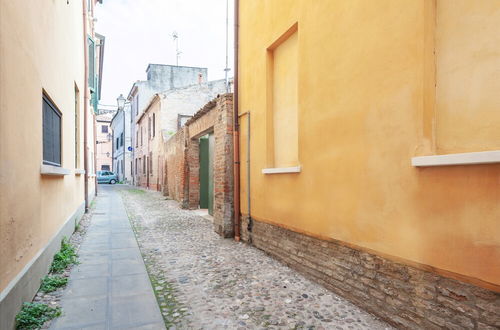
point(405, 296)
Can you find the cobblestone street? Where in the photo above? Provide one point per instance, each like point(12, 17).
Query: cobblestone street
point(203, 281)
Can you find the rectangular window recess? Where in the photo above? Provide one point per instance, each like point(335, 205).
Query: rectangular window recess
point(53, 170)
point(281, 170)
point(468, 158)
point(79, 171)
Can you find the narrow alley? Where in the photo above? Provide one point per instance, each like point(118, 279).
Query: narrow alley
point(249, 164)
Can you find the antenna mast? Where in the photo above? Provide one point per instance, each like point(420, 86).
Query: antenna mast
point(228, 89)
point(178, 53)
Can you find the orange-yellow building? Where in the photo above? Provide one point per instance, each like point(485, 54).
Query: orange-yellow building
point(375, 150)
point(46, 137)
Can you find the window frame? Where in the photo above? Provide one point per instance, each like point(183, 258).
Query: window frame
point(46, 99)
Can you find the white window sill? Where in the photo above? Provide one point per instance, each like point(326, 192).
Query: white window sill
point(468, 158)
point(79, 171)
point(53, 170)
point(281, 170)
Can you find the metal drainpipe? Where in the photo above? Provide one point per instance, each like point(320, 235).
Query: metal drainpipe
point(250, 222)
point(124, 144)
point(85, 107)
point(236, 137)
point(95, 154)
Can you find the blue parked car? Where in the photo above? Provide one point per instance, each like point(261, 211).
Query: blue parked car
point(106, 177)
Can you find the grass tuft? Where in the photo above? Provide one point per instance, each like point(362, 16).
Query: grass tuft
point(34, 315)
point(52, 282)
point(65, 257)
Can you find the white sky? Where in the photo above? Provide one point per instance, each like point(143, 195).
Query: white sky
point(139, 32)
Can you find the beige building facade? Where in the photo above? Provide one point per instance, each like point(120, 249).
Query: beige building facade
point(104, 142)
point(46, 137)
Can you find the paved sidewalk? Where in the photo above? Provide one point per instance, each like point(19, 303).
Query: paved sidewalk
point(110, 288)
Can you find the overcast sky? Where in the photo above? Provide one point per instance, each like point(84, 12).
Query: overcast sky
point(139, 32)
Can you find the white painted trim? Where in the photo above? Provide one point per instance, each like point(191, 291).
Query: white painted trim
point(468, 158)
point(281, 170)
point(53, 170)
point(79, 171)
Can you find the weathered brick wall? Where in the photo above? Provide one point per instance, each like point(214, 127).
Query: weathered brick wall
point(223, 167)
point(174, 150)
point(405, 296)
point(182, 167)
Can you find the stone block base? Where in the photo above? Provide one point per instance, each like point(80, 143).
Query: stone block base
point(404, 296)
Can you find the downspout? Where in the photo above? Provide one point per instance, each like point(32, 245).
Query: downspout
point(236, 127)
point(124, 145)
point(95, 154)
point(85, 107)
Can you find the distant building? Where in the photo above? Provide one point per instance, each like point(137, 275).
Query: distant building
point(104, 144)
point(164, 115)
point(122, 148)
point(160, 77)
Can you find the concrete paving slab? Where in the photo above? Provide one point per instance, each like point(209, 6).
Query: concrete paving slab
point(127, 253)
point(130, 285)
point(90, 270)
point(134, 310)
point(110, 288)
point(82, 312)
point(122, 267)
point(97, 286)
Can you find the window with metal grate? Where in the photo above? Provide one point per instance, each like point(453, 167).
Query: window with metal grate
point(51, 133)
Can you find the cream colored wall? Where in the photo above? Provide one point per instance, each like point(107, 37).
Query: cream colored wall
point(104, 150)
point(149, 144)
point(365, 107)
point(41, 48)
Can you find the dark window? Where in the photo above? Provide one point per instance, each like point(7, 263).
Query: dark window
point(105, 168)
point(104, 129)
point(51, 133)
point(137, 139)
point(135, 167)
point(121, 139)
point(144, 166)
point(151, 163)
point(149, 128)
point(153, 124)
point(117, 143)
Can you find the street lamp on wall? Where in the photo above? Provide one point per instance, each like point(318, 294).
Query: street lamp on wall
point(121, 102)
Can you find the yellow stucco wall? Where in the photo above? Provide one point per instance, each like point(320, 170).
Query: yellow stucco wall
point(367, 103)
point(41, 48)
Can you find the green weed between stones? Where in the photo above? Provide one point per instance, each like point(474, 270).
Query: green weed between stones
point(34, 315)
point(64, 258)
point(52, 282)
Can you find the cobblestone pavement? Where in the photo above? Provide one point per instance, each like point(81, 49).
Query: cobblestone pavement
point(205, 282)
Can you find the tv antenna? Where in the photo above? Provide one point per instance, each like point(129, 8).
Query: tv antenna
point(226, 69)
point(178, 53)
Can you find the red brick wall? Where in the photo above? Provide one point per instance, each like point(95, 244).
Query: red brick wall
point(175, 167)
point(182, 161)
